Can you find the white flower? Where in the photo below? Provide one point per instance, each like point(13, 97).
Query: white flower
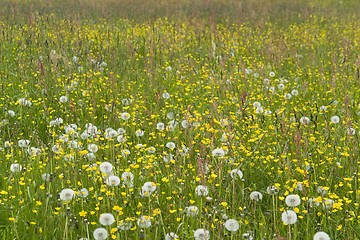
point(106, 167)
point(93, 148)
point(125, 116)
point(121, 138)
point(128, 179)
point(202, 190)
point(24, 102)
point(235, 173)
point(272, 74)
point(83, 192)
point(113, 181)
point(15, 167)
point(121, 131)
point(335, 119)
point(351, 131)
point(171, 236)
point(24, 143)
point(259, 110)
point(304, 120)
point(106, 219)
point(321, 236)
point(148, 188)
point(272, 190)
point(295, 92)
point(323, 108)
point(281, 86)
point(292, 200)
point(11, 113)
point(91, 156)
point(144, 222)
point(312, 202)
point(170, 145)
point(256, 196)
point(202, 234)
point(63, 99)
point(139, 133)
point(166, 95)
point(219, 152)
point(289, 217)
point(111, 133)
point(151, 150)
point(160, 126)
point(232, 225)
point(46, 177)
point(256, 104)
point(287, 96)
point(328, 203)
point(185, 124)
point(192, 211)
point(268, 113)
point(67, 194)
point(100, 234)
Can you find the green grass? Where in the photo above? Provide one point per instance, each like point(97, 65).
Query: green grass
point(213, 58)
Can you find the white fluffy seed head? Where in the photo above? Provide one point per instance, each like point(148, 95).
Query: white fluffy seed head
point(106, 219)
point(289, 217)
point(232, 225)
point(100, 234)
point(292, 200)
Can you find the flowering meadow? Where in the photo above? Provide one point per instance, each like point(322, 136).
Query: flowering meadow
point(179, 124)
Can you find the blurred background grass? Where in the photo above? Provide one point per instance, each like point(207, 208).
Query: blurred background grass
point(255, 11)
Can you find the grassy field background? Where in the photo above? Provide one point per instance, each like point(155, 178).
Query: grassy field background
point(179, 119)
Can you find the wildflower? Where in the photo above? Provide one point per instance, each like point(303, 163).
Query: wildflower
point(328, 203)
point(144, 222)
point(292, 200)
point(256, 104)
point(113, 181)
point(24, 143)
point(24, 102)
point(168, 68)
point(272, 190)
point(121, 131)
point(139, 133)
point(111, 133)
point(125, 225)
point(93, 148)
point(171, 236)
point(295, 92)
point(201, 190)
point(236, 173)
point(121, 138)
point(160, 126)
point(202, 234)
point(100, 234)
point(192, 211)
point(170, 145)
point(166, 95)
point(321, 236)
point(148, 188)
point(313, 203)
point(83, 192)
point(67, 194)
point(106, 167)
point(281, 86)
point(125, 116)
point(266, 81)
point(287, 96)
point(46, 177)
point(272, 74)
point(232, 225)
point(128, 179)
point(256, 196)
point(351, 131)
point(268, 113)
point(259, 110)
point(335, 119)
point(289, 217)
point(219, 152)
point(106, 219)
point(151, 150)
point(305, 120)
point(323, 108)
point(90, 156)
point(63, 99)
point(11, 113)
point(185, 124)
point(15, 167)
